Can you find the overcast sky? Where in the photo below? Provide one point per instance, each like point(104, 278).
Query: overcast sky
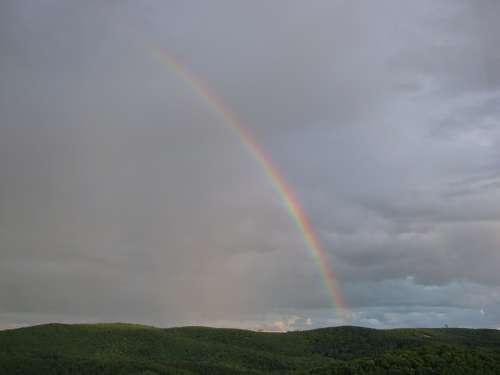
point(125, 197)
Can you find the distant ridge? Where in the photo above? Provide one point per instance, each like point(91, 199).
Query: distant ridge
point(122, 348)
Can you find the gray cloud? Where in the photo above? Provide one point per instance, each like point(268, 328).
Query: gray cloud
point(458, 47)
point(125, 196)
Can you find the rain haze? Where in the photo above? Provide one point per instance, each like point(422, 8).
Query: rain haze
point(125, 195)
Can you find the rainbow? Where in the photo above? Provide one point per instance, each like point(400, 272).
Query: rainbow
point(291, 203)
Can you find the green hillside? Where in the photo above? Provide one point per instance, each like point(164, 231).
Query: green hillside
point(136, 349)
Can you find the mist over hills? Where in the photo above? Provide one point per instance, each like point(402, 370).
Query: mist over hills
point(137, 349)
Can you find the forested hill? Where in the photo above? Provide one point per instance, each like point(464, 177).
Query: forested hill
point(136, 349)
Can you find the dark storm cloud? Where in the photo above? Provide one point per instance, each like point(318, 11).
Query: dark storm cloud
point(124, 196)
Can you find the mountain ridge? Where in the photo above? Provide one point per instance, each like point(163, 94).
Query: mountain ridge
point(125, 348)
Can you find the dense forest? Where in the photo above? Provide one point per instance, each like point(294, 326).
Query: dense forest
point(135, 349)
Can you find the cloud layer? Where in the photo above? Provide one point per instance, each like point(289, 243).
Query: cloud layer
point(125, 196)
